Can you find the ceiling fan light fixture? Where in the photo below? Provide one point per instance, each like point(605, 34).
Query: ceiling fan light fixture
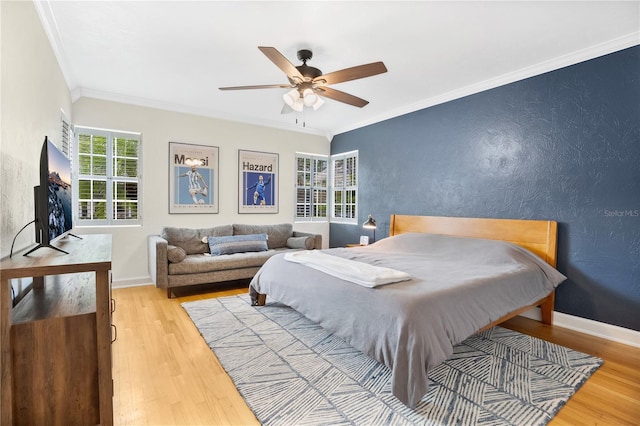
point(319, 102)
point(309, 97)
point(297, 101)
point(291, 97)
point(298, 105)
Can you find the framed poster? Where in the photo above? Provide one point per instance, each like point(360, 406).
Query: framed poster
point(257, 182)
point(193, 178)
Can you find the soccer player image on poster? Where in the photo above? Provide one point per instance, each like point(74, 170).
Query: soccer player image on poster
point(257, 182)
point(193, 178)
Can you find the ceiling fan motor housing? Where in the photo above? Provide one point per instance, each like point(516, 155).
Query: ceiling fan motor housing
point(309, 73)
point(304, 55)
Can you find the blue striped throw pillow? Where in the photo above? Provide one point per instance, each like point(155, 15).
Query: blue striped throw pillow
point(237, 244)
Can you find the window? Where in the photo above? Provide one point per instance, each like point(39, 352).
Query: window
point(311, 187)
point(344, 192)
point(66, 135)
point(108, 178)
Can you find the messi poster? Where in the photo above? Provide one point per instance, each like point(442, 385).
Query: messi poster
point(193, 178)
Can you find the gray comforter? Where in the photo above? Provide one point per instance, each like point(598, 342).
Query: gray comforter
point(458, 286)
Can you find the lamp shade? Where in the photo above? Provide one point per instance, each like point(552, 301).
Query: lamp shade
point(297, 100)
point(291, 97)
point(318, 104)
point(309, 97)
point(370, 223)
point(298, 105)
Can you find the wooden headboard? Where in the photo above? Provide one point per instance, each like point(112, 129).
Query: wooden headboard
point(537, 236)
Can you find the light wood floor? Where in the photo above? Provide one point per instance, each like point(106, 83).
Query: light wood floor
point(164, 373)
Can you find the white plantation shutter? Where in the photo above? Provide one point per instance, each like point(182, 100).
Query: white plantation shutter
point(109, 177)
point(345, 187)
point(311, 187)
point(66, 136)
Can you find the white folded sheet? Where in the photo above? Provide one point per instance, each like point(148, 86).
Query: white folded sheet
point(349, 270)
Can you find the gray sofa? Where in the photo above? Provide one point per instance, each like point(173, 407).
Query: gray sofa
point(181, 256)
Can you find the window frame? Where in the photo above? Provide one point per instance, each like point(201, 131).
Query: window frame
point(314, 206)
point(109, 178)
point(344, 189)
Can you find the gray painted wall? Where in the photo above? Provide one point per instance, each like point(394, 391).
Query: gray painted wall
point(564, 145)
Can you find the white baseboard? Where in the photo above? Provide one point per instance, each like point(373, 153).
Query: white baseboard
point(131, 282)
point(593, 328)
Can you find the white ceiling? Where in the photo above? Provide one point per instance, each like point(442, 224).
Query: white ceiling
point(174, 55)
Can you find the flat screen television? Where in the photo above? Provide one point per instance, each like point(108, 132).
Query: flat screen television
point(52, 198)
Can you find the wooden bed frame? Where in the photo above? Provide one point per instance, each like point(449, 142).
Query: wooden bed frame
point(537, 236)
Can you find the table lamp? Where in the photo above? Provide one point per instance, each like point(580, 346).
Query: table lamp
point(370, 224)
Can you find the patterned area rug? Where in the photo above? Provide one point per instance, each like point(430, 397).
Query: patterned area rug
point(291, 371)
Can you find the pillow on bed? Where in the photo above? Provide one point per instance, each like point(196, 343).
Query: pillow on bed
point(307, 243)
point(237, 244)
point(175, 254)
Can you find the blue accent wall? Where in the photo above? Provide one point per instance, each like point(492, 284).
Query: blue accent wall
point(564, 146)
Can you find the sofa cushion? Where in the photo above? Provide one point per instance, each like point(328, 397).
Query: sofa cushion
point(237, 244)
point(216, 231)
point(191, 239)
point(277, 234)
point(307, 243)
point(175, 254)
point(202, 263)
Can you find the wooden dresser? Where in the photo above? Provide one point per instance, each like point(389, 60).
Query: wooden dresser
point(55, 344)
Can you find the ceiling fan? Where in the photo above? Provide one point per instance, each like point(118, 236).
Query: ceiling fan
point(309, 85)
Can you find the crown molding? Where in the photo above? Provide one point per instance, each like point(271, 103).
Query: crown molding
point(50, 26)
point(572, 58)
point(169, 106)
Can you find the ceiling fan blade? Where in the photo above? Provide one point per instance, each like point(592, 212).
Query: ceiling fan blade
point(339, 96)
point(263, 86)
point(281, 62)
point(353, 73)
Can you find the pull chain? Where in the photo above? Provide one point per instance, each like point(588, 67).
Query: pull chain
point(304, 118)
